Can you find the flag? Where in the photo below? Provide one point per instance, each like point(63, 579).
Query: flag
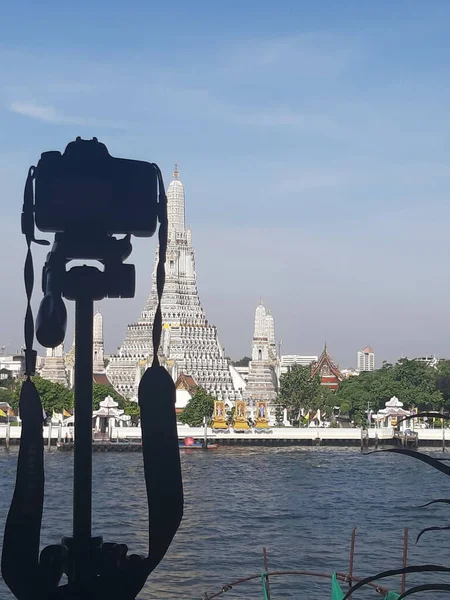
point(2, 413)
point(307, 416)
point(53, 414)
point(44, 415)
point(65, 413)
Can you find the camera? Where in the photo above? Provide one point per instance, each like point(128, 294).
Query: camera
point(87, 190)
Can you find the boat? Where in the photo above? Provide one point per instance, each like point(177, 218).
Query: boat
point(196, 446)
point(190, 444)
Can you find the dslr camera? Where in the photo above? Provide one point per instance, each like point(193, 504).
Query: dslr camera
point(86, 190)
point(85, 196)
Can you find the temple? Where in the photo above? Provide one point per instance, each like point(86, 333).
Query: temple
point(98, 345)
point(189, 345)
point(60, 368)
point(262, 378)
point(54, 367)
point(329, 373)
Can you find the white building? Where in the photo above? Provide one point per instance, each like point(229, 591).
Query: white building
point(54, 367)
point(429, 360)
point(14, 363)
point(262, 383)
point(98, 345)
point(289, 360)
point(366, 359)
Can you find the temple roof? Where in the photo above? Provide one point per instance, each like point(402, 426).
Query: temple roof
point(101, 378)
point(186, 382)
point(325, 359)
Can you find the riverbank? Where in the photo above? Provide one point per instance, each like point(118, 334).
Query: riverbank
point(277, 436)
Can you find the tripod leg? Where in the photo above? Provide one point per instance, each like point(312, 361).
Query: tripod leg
point(82, 481)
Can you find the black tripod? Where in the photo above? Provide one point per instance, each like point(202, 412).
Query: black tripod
point(85, 285)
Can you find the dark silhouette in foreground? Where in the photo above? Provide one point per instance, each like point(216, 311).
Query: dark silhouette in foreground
point(85, 196)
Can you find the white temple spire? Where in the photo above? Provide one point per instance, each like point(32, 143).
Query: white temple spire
point(98, 346)
point(175, 204)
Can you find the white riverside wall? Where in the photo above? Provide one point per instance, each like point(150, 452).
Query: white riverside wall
point(292, 433)
point(281, 433)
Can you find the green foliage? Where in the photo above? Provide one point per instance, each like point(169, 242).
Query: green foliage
point(99, 393)
point(242, 362)
point(279, 416)
point(132, 409)
point(54, 396)
point(413, 382)
point(200, 405)
point(7, 395)
point(8, 382)
point(299, 390)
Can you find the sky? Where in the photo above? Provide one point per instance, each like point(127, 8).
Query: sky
point(312, 140)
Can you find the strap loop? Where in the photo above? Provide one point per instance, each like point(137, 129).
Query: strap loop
point(28, 230)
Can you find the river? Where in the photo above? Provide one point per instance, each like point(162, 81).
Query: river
point(300, 503)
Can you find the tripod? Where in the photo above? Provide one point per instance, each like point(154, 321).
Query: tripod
point(85, 285)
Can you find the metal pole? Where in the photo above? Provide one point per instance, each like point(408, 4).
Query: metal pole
point(443, 432)
point(49, 436)
point(405, 559)
point(352, 558)
point(266, 569)
point(82, 482)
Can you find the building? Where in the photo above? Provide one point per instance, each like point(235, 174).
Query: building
point(13, 363)
point(262, 381)
point(54, 367)
point(347, 373)
point(185, 387)
point(429, 360)
point(98, 356)
point(287, 361)
point(98, 350)
point(329, 373)
point(366, 360)
point(189, 344)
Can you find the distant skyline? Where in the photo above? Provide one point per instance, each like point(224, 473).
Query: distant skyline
point(312, 141)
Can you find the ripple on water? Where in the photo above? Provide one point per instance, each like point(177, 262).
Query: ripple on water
point(300, 503)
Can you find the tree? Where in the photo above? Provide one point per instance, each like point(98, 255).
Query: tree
point(54, 396)
point(279, 416)
point(412, 381)
point(101, 390)
point(8, 382)
point(200, 405)
point(7, 395)
point(242, 362)
point(299, 390)
point(132, 409)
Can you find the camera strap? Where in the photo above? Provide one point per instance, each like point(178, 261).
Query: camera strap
point(160, 269)
point(160, 450)
point(23, 523)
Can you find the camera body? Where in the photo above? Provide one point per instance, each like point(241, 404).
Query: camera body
point(86, 190)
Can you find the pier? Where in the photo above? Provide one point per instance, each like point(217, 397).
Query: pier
point(129, 438)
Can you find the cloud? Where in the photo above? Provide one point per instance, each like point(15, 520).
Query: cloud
point(42, 113)
point(49, 114)
point(313, 53)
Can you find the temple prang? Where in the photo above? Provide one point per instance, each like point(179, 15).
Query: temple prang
point(189, 345)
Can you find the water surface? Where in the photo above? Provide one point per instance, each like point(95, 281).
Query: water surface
point(300, 503)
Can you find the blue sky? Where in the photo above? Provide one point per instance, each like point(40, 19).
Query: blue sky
point(312, 140)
